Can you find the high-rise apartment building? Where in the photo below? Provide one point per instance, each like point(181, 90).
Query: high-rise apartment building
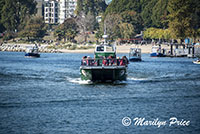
point(51, 11)
point(56, 11)
point(39, 7)
point(67, 8)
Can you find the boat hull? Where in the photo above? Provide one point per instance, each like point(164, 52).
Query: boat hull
point(135, 59)
point(157, 55)
point(196, 62)
point(32, 55)
point(103, 74)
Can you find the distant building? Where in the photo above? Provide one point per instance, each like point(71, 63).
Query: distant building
point(56, 11)
point(40, 8)
point(67, 8)
point(51, 11)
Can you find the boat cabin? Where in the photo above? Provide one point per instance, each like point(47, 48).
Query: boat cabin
point(107, 50)
point(156, 49)
point(32, 50)
point(135, 54)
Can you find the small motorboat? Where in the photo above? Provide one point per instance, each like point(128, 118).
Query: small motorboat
point(135, 54)
point(157, 52)
point(197, 61)
point(32, 52)
point(105, 66)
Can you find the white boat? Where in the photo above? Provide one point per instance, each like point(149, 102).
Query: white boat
point(135, 54)
point(105, 66)
point(32, 52)
point(196, 62)
point(157, 52)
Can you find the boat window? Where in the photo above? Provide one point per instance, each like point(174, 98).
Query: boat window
point(109, 48)
point(155, 49)
point(101, 48)
point(35, 51)
point(28, 50)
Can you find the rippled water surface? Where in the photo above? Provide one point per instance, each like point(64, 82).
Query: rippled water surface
point(46, 95)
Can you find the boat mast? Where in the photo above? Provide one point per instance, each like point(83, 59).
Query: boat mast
point(105, 36)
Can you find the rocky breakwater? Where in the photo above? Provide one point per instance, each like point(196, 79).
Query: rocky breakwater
point(11, 47)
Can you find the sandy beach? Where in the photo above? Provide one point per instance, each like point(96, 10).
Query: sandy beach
point(120, 49)
point(43, 48)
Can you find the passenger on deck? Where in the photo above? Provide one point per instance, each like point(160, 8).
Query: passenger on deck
point(84, 60)
point(112, 60)
point(109, 62)
point(105, 61)
point(89, 61)
point(124, 61)
point(118, 61)
point(96, 62)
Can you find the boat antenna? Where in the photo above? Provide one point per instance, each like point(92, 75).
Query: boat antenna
point(105, 36)
point(104, 29)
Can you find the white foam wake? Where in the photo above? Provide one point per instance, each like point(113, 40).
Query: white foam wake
point(79, 81)
point(137, 79)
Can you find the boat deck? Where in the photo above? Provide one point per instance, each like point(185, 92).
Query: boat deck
point(102, 67)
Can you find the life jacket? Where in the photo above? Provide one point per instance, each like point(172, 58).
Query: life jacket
point(88, 62)
point(121, 62)
point(104, 61)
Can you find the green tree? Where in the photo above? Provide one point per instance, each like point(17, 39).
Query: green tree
point(119, 6)
point(86, 23)
point(2, 28)
point(88, 6)
point(8, 16)
point(156, 33)
point(67, 30)
point(59, 34)
point(111, 25)
point(159, 14)
point(70, 28)
point(79, 7)
point(183, 21)
point(100, 7)
point(126, 30)
point(14, 12)
point(35, 29)
point(95, 7)
point(146, 13)
point(134, 19)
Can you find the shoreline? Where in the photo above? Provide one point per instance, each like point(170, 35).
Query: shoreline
point(125, 48)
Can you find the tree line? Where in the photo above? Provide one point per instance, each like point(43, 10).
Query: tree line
point(17, 20)
point(159, 19)
point(164, 19)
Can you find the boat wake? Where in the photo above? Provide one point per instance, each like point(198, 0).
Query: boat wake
point(79, 81)
point(137, 79)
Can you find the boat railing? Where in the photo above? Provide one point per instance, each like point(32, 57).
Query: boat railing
point(104, 62)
